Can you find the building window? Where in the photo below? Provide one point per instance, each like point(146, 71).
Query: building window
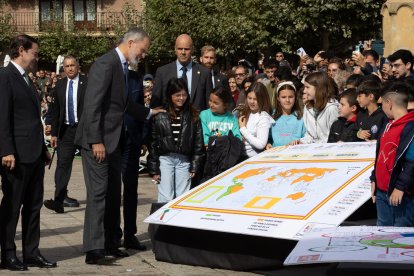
point(51, 10)
point(84, 10)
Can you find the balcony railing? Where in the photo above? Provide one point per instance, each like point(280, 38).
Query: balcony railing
point(34, 22)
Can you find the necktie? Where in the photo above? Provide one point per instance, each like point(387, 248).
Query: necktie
point(125, 67)
point(71, 111)
point(184, 76)
point(26, 78)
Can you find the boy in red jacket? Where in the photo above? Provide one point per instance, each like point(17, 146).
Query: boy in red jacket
point(393, 175)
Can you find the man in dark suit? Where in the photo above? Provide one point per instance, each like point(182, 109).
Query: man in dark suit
point(208, 60)
point(99, 134)
point(23, 155)
point(66, 113)
point(134, 139)
point(198, 77)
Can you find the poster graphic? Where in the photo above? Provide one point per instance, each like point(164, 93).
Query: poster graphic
point(283, 193)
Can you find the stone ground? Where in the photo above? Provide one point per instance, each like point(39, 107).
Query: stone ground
point(61, 239)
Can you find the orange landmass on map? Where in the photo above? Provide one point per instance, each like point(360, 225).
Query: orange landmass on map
point(309, 174)
point(272, 178)
point(296, 196)
point(231, 190)
point(251, 173)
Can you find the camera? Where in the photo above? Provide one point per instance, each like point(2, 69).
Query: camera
point(310, 67)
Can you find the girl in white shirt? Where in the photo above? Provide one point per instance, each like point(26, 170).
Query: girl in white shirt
point(255, 120)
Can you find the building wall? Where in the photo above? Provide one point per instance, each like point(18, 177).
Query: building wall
point(117, 5)
point(398, 25)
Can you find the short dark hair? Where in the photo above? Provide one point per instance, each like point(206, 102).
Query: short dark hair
point(351, 96)
point(370, 87)
point(401, 90)
point(410, 83)
point(372, 53)
point(23, 40)
point(355, 80)
point(405, 55)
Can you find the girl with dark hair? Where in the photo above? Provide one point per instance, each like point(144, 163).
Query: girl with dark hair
point(176, 151)
point(255, 120)
point(218, 120)
point(289, 124)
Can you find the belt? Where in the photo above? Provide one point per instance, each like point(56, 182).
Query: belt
point(73, 125)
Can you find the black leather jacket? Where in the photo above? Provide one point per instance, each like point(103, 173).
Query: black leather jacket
point(190, 142)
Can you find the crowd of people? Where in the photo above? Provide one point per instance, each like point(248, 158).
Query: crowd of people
point(195, 121)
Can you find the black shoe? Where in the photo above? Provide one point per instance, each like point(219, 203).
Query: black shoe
point(39, 261)
point(117, 253)
point(13, 264)
point(70, 202)
point(98, 257)
point(54, 205)
point(133, 243)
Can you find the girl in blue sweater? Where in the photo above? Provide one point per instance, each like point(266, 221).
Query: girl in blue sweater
point(289, 124)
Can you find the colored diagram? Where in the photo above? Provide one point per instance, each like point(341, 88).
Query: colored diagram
point(357, 243)
point(277, 189)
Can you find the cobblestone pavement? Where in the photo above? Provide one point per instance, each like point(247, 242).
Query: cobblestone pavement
point(61, 239)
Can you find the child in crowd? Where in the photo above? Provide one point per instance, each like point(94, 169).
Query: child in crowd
point(321, 110)
point(343, 129)
point(255, 120)
point(176, 151)
point(392, 180)
point(218, 120)
point(371, 118)
point(289, 124)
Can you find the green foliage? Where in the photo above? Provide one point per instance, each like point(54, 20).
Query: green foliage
point(244, 26)
point(7, 28)
point(229, 26)
point(86, 47)
point(325, 23)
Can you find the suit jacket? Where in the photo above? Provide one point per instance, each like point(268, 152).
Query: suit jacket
point(201, 85)
point(21, 129)
point(105, 103)
point(58, 112)
point(135, 128)
point(219, 79)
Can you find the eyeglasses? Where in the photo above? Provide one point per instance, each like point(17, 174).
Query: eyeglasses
point(240, 74)
point(396, 65)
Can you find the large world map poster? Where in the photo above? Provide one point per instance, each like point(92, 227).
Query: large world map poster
point(283, 193)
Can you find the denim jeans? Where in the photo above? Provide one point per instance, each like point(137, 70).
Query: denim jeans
point(401, 215)
point(175, 176)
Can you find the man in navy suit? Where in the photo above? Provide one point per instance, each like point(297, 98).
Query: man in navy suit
point(66, 113)
point(133, 135)
point(23, 156)
point(197, 76)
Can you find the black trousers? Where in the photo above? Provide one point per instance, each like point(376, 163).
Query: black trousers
point(66, 150)
point(103, 201)
point(130, 166)
point(23, 186)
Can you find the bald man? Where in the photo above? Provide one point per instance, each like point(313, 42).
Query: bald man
point(198, 77)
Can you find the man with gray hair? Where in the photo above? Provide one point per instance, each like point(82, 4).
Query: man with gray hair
point(100, 134)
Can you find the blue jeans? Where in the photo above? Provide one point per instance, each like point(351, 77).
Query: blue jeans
point(401, 215)
point(175, 176)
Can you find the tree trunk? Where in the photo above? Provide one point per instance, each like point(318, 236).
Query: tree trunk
point(325, 40)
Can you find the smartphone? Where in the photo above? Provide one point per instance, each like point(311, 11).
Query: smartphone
point(301, 52)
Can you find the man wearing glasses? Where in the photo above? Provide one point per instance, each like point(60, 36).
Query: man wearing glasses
point(279, 56)
point(402, 64)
